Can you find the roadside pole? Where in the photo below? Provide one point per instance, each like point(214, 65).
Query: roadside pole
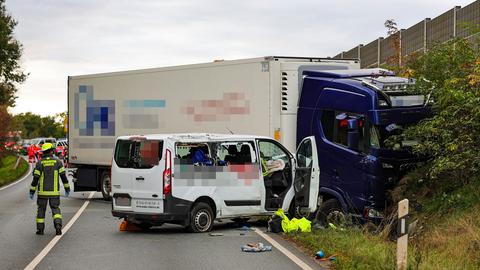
point(402, 240)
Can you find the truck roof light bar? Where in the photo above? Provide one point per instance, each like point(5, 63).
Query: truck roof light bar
point(391, 85)
point(349, 73)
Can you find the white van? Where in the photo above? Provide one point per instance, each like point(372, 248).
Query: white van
point(193, 179)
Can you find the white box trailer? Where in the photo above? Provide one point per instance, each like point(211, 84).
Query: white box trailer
point(255, 96)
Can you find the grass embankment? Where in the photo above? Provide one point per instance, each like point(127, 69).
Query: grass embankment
point(7, 172)
point(447, 237)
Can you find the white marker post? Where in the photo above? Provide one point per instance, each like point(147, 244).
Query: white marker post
point(402, 240)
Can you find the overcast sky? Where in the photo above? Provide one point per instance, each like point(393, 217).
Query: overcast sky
point(73, 37)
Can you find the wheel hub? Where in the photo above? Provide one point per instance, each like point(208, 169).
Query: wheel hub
point(336, 217)
point(202, 220)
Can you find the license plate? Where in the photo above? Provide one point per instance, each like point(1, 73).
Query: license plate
point(148, 204)
point(122, 201)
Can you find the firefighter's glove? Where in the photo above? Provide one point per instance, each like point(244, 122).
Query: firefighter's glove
point(67, 193)
point(31, 195)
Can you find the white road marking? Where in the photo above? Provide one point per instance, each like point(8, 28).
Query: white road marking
point(285, 251)
point(55, 239)
point(20, 180)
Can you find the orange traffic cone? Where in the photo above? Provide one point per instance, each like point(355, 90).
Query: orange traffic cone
point(126, 226)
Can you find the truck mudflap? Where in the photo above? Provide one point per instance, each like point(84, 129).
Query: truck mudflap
point(86, 179)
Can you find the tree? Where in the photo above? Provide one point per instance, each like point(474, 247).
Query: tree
point(33, 125)
point(10, 53)
point(394, 61)
point(5, 119)
point(450, 74)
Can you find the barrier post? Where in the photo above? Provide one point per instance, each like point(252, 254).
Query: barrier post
point(402, 232)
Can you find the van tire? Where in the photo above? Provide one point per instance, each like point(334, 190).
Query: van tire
point(105, 186)
point(330, 212)
point(201, 218)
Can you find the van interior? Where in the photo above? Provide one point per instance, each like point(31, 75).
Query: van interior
point(277, 173)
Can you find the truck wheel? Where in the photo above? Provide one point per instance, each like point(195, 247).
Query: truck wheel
point(331, 212)
point(105, 186)
point(201, 218)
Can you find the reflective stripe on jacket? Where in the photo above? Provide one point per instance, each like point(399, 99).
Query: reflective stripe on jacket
point(46, 177)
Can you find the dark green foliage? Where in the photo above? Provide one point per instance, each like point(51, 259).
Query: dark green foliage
point(8, 173)
point(450, 72)
point(34, 125)
point(10, 53)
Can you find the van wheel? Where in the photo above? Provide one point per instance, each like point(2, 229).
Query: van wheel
point(331, 212)
point(105, 184)
point(201, 218)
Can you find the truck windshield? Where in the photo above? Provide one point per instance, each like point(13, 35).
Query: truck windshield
point(390, 136)
point(139, 154)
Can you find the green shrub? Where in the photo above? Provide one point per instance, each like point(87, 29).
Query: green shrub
point(7, 171)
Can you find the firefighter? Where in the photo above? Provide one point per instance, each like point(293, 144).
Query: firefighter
point(48, 171)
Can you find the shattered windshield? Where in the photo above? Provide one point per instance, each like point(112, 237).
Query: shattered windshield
point(390, 136)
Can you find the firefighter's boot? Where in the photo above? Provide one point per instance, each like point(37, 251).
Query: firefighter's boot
point(58, 229)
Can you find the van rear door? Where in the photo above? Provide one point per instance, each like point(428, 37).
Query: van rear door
point(307, 175)
point(140, 172)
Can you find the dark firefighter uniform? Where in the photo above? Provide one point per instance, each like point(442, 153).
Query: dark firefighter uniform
point(48, 171)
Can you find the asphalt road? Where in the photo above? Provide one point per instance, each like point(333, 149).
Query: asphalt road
point(95, 242)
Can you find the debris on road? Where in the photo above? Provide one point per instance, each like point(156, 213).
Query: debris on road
point(287, 225)
point(244, 228)
point(215, 234)
point(320, 255)
point(256, 247)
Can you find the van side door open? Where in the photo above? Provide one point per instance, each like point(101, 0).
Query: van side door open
point(277, 170)
point(307, 175)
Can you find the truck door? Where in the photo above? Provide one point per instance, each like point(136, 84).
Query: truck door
point(307, 175)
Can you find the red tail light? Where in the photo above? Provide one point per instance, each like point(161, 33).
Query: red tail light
point(167, 173)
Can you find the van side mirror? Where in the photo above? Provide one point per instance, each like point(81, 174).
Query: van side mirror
point(352, 134)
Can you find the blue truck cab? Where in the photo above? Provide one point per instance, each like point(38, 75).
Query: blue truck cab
point(352, 114)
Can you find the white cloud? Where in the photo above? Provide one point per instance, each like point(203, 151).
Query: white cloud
point(72, 37)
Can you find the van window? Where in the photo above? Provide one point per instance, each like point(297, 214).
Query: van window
point(304, 154)
point(142, 154)
point(235, 153)
point(272, 151)
point(193, 153)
